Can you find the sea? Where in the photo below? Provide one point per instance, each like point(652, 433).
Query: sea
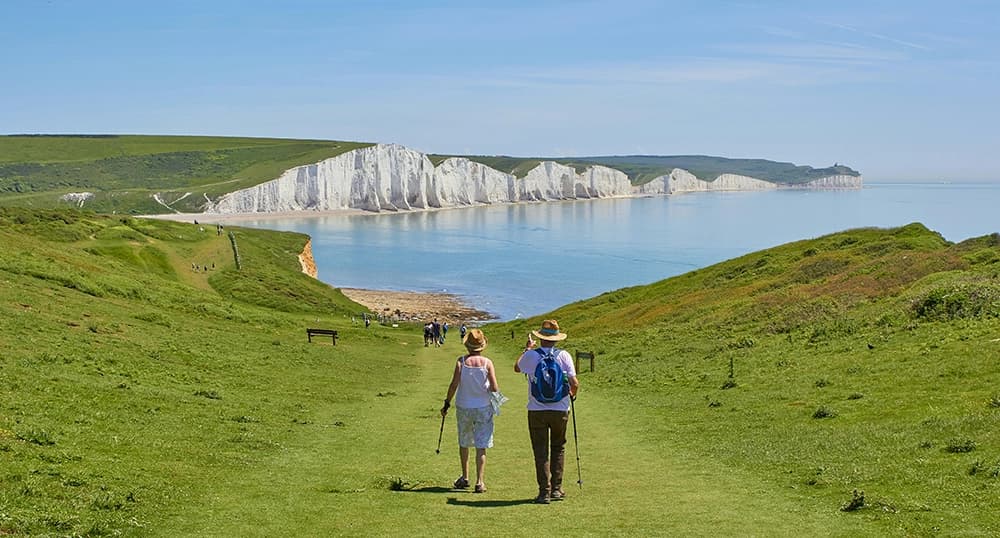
point(520, 260)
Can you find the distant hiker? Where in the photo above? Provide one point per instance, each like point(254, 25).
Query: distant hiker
point(368, 321)
point(428, 334)
point(462, 330)
point(436, 332)
point(552, 383)
point(473, 383)
point(444, 331)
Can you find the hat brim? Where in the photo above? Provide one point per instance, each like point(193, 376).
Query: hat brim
point(549, 337)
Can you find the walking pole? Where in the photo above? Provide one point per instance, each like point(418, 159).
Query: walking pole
point(438, 451)
point(576, 443)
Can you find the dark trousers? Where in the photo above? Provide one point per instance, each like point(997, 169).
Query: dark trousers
point(548, 443)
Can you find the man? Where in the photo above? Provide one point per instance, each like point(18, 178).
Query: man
point(547, 421)
point(436, 332)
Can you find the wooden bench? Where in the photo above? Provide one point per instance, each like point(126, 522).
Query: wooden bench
point(584, 355)
point(321, 332)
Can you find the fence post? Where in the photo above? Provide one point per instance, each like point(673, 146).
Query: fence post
point(584, 355)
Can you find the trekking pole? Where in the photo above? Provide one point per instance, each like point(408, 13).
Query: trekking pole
point(438, 451)
point(576, 444)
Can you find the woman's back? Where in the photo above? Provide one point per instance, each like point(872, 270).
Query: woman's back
point(474, 387)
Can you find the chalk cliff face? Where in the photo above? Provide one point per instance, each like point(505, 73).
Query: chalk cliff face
point(390, 177)
point(680, 181)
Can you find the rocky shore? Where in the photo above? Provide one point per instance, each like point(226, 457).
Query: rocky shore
point(418, 306)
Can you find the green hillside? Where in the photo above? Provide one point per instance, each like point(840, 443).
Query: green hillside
point(141, 395)
point(864, 360)
point(124, 172)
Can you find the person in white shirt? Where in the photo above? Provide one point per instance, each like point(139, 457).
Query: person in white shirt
point(547, 421)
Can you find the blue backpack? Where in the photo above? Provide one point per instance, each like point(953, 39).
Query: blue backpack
point(549, 384)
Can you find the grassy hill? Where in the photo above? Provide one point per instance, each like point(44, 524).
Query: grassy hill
point(141, 396)
point(863, 360)
point(124, 172)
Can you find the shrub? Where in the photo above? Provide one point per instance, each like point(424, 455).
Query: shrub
point(960, 446)
point(964, 301)
point(857, 502)
point(824, 412)
point(37, 437)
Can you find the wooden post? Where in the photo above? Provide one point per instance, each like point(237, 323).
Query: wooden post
point(584, 355)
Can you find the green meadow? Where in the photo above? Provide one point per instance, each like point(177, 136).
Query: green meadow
point(124, 172)
point(842, 386)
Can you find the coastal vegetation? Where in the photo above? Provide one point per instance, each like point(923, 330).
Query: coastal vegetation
point(840, 386)
point(124, 171)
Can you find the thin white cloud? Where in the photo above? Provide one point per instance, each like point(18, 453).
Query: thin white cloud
point(875, 35)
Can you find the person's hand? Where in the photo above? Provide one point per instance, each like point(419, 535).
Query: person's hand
point(530, 344)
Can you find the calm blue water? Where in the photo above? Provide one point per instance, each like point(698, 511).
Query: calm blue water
point(527, 259)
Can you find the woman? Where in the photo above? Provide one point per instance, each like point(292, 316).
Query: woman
point(471, 384)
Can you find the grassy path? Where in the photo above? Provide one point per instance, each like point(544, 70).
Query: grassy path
point(336, 479)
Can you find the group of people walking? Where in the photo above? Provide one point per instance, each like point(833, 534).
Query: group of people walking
point(553, 386)
point(435, 333)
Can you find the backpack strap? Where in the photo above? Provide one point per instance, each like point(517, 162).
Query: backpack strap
point(552, 353)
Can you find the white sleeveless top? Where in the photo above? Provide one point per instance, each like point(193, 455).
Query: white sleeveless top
point(473, 387)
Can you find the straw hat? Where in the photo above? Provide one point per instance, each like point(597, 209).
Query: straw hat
point(475, 340)
point(550, 331)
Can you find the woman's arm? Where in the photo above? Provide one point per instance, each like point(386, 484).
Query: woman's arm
point(491, 373)
point(456, 376)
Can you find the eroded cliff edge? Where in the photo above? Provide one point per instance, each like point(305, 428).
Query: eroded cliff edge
point(391, 177)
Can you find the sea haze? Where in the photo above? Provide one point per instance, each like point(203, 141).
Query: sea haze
point(526, 259)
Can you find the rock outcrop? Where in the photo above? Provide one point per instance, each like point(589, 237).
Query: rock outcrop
point(390, 177)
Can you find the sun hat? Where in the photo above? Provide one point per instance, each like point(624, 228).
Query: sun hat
point(475, 340)
point(550, 331)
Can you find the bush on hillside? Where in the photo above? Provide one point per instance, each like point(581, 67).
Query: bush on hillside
point(962, 301)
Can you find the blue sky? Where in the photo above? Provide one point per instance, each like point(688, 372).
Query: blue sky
point(898, 90)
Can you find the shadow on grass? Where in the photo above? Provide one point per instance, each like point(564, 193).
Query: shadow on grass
point(488, 504)
point(430, 489)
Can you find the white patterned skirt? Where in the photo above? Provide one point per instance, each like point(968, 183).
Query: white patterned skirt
point(475, 427)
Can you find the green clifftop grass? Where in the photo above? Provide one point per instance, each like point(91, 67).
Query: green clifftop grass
point(125, 171)
point(140, 396)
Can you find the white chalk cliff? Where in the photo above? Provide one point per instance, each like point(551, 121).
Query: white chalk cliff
point(390, 177)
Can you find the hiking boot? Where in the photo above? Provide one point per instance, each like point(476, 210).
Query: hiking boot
point(480, 488)
point(462, 483)
point(558, 494)
point(543, 498)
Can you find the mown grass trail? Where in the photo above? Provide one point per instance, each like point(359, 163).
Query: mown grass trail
point(337, 480)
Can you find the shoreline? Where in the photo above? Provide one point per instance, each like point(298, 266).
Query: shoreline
point(417, 306)
point(227, 218)
point(404, 306)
